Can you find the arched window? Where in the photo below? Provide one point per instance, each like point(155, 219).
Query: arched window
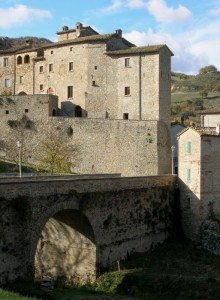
point(22, 93)
point(78, 111)
point(19, 60)
point(27, 59)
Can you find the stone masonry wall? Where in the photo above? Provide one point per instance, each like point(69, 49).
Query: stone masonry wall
point(103, 146)
point(125, 215)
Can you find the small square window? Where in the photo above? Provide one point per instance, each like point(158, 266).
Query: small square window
point(7, 112)
point(71, 66)
point(125, 116)
point(95, 67)
point(21, 79)
point(127, 90)
point(41, 87)
point(127, 62)
point(71, 48)
point(26, 110)
point(93, 82)
point(50, 67)
point(41, 69)
point(51, 52)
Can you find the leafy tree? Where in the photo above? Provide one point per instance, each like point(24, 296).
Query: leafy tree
point(208, 69)
point(203, 94)
point(56, 156)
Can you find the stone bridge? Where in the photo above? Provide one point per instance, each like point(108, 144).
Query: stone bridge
point(76, 226)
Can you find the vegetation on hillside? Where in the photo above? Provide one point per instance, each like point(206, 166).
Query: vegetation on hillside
point(193, 94)
point(7, 43)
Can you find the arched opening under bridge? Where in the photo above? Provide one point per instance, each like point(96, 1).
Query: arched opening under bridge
point(66, 248)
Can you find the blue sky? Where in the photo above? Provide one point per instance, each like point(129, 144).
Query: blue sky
point(190, 28)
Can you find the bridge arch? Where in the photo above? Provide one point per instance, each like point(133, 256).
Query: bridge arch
point(64, 245)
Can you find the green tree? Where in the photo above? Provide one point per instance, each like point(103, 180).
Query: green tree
point(208, 69)
point(203, 94)
point(56, 156)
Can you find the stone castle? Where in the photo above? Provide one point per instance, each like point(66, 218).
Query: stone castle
point(113, 95)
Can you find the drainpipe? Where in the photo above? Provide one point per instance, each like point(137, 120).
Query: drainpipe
point(33, 76)
point(140, 86)
point(14, 73)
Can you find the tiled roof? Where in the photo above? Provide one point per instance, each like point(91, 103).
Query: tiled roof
point(137, 50)
point(202, 131)
point(90, 38)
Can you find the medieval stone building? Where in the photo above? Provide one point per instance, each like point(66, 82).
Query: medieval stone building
point(98, 78)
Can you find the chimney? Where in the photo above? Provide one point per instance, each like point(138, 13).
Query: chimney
point(29, 43)
point(119, 33)
point(218, 129)
point(78, 26)
point(65, 28)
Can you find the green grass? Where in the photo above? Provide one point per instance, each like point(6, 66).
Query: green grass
point(9, 167)
point(178, 269)
point(6, 295)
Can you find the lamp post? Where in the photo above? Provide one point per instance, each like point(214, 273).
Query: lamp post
point(19, 145)
point(172, 149)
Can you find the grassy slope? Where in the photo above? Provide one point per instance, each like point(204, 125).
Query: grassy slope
point(178, 270)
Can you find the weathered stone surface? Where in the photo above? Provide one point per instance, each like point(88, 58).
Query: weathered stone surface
point(106, 218)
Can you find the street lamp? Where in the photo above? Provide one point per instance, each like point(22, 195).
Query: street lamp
point(19, 145)
point(172, 149)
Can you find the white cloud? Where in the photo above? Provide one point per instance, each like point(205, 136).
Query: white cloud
point(168, 15)
point(136, 3)
point(186, 58)
point(215, 12)
point(19, 15)
point(116, 4)
point(161, 12)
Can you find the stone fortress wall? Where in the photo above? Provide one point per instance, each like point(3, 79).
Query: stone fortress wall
point(104, 146)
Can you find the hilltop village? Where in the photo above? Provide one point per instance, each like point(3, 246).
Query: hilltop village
point(114, 96)
point(110, 100)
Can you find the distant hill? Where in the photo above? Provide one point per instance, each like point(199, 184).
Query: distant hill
point(7, 43)
point(209, 81)
point(193, 94)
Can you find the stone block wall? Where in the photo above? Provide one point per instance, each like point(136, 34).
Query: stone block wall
point(113, 218)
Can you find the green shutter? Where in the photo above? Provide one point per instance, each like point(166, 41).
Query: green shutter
point(189, 147)
point(188, 174)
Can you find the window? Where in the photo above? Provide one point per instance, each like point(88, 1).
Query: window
point(51, 52)
point(19, 60)
point(21, 79)
point(127, 62)
point(127, 90)
point(71, 66)
point(93, 82)
point(95, 67)
point(125, 116)
point(70, 91)
point(189, 147)
point(71, 48)
point(27, 59)
point(188, 175)
point(7, 112)
point(41, 87)
point(26, 110)
point(50, 67)
point(7, 83)
point(5, 62)
point(41, 69)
